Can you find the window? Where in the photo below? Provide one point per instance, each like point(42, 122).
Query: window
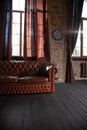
point(34, 28)
point(81, 44)
point(18, 27)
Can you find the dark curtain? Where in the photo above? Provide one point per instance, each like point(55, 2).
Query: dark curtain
point(74, 22)
point(35, 32)
point(29, 35)
point(46, 33)
point(5, 46)
point(2, 15)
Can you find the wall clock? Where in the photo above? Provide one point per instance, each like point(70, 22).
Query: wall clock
point(57, 34)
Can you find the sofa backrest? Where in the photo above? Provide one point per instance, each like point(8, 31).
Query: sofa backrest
point(20, 68)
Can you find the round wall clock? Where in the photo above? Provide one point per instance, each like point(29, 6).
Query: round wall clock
point(57, 34)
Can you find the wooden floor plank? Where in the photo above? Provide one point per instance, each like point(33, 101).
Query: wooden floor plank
point(59, 114)
point(28, 100)
point(72, 107)
point(68, 114)
point(53, 120)
point(65, 109)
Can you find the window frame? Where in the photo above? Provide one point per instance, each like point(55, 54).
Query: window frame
point(81, 57)
point(20, 42)
point(36, 11)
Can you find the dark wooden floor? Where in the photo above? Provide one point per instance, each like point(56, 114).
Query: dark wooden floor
point(66, 109)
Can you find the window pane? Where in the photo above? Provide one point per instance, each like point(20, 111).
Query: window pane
point(40, 4)
point(84, 37)
point(40, 31)
point(76, 51)
point(16, 17)
point(18, 5)
point(22, 23)
point(15, 45)
point(22, 34)
point(15, 34)
point(16, 29)
point(41, 43)
point(22, 50)
point(40, 18)
point(15, 40)
point(84, 12)
point(84, 24)
point(84, 34)
point(15, 51)
point(84, 29)
point(29, 52)
point(16, 23)
point(84, 47)
point(85, 51)
point(40, 53)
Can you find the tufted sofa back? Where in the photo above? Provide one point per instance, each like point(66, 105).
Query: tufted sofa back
point(19, 67)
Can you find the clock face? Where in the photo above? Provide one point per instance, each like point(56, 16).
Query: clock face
point(57, 34)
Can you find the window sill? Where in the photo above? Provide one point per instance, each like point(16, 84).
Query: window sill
point(79, 58)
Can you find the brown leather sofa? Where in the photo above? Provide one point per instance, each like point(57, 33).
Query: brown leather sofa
point(24, 77)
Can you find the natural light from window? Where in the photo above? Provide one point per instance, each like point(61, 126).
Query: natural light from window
point(18, 27)
point(18, 5)
point(77, 51)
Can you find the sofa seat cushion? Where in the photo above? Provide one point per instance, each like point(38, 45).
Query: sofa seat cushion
point(32, 79)
point(8, 78)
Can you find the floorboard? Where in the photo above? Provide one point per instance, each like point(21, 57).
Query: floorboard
point(65, 109)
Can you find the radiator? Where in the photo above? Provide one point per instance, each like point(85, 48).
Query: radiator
point(83, 69)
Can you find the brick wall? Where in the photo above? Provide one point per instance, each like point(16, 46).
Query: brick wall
point(58, 18)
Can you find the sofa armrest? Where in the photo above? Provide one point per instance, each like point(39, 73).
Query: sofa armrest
point(42, 71)
point(51, 77)
point(47, 71)
point(51, 73)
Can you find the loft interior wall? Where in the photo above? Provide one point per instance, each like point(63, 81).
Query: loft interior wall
point(58, 18)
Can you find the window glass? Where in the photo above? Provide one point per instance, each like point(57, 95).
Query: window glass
point(18, 5)
point(77, 50)
point(40, 4)
point(85, 47)
point(84, 11)
point(18, 27)
point(81, 43)
point(15, 47)
point(18, 8)
point(15, 33)
point(84, 37)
